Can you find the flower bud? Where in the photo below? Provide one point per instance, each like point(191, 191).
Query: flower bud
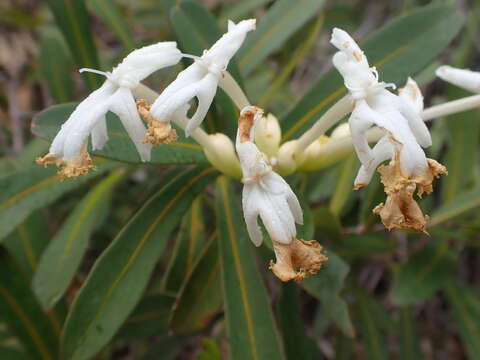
point(412, 95)
point(267, 135)
point(312, 153)
point(286, 159)
point(464, 78)
point(341, 131)
point(221, 153)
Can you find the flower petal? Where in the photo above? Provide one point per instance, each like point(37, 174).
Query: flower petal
point(123, 104)
point(464, 78)
point(250, 213)
point(100, 134)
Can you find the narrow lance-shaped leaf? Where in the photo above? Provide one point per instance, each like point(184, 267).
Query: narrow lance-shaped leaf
point(25, 191)
point(343, 189)
point(251, 327)
point(149, 318)
point(462, 128)
point(423, 274)
point(110, 13)
point(8, 353)
point(460, 205)
point(189, 242)
point(22, 314)
point(61, 259)
point(368, 313)
point(398, 50)
point(409, 339)
point(326, 287)
point(281, 21)
point(239, 10)
point(58, 73)
point(461, 156)
point(200, 297)
point(47, 123)
point(26, 245)
point(28, 241)
point(120, 275)
point(72, 19)
point(297, 344)
point(465, 305)
point(302, 49)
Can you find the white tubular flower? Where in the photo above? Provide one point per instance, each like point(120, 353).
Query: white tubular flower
point(464, 78)
point(266, 194)
point(406, 134)
point(199, 80)
point(69, 148)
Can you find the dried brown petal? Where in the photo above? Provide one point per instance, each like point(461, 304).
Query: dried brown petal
point(297, 260)
point(158, 132)
point(400, 209)
point(247, 121)
point(77, 166)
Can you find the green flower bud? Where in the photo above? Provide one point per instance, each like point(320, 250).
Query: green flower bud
point(221, 153)
point(267, 135)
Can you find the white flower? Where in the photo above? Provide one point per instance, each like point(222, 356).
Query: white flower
point(69, 148)
point(266, 194)
point(199, 80)
point(464, 78)
point(406, 134)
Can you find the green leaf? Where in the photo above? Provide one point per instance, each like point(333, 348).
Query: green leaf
point(251, 327)
point(299, 53)
point(462, 203)
point(466, 314)
point(423, 274)
point(326, 286)
point(297, 344)
point(398, 50)
point(46, 124)
point(110, 13)
point(167, 348)
point(150, 317)
point(409, 339)
point(368, 312)
point(366, 245)
point(196, 29)
point(60, 261)
point(200, 297)
point(344, 347)
point(327, 223)
point(281, 21)
point(22, 313)
point(25, 191)
point(8, 353)
point(461, 156)
point(188, 244)
point(120, 275)
point(27, 242)
point(72, 19)
point(343, 188)
point(58, 73)
point(239, 10)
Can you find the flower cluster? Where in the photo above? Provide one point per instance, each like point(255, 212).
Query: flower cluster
point(405, 136)
point(257, 157)
point(69, 148)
